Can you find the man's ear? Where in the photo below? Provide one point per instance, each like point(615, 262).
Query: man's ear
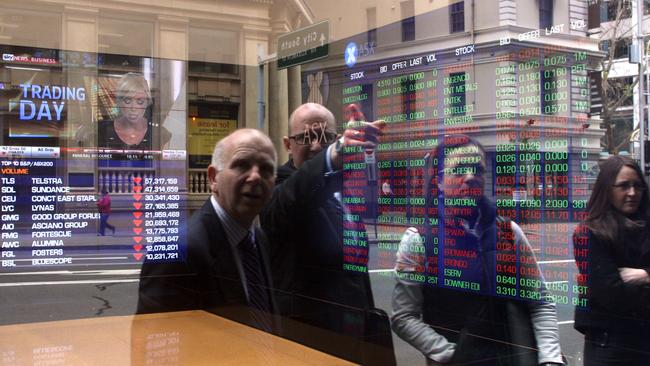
point(212, 178)
point(286, 142)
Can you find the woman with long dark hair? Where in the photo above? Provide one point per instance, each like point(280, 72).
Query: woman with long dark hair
point(612, 250)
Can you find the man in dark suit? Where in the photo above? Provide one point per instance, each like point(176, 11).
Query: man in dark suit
point(226, 267)
point(328, 307)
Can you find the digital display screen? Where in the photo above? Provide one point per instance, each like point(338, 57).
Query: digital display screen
point(526, 104)
point(90, 175)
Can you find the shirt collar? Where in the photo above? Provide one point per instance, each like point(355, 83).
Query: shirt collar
point(234, 232)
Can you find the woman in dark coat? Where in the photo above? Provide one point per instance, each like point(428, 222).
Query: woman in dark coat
point(615, 267)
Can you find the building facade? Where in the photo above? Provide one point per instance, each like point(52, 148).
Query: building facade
point(516, 76)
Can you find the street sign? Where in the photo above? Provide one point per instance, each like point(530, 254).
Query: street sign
point(304, 45)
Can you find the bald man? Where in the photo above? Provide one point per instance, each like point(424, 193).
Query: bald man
point(304, 222)
point(226, 270)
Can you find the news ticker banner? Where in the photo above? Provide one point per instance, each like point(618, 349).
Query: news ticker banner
point(528, 107)
point(46, 223)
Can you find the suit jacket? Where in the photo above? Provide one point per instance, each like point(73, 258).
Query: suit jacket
point(305, 226)
point(325, 306)
point(207, 278)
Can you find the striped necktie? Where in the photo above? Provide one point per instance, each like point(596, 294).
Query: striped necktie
point(256, 284)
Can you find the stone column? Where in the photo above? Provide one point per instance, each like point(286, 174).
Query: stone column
point(171, 48)
point(295, 88)
point(278, 108)
point(80, 28)
point(278, 93)
point(255, 44)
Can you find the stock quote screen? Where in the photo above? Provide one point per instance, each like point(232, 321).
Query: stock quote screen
point(528, 106)
point(90, 176)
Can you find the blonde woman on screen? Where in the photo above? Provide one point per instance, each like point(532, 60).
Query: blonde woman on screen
point(130, 130)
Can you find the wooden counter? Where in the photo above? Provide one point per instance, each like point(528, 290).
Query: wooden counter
point(180, 338)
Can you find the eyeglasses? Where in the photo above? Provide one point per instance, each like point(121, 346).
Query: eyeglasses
point(323, 138)
point(625, 186)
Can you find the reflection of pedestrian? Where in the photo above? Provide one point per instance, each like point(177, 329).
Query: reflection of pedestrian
point(385, 189)
point(104, 207)
point(612, 249)
point(468, 324)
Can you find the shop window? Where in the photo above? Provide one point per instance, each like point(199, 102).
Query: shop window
point(622, 47)
point(545, 13)
point(208, 122)
point(609, 9)
point(30, 28)
point(213, 68)
point(408, 21)
point(371, 16)
point(213, 45)
point(457, 17)
point(126, 38)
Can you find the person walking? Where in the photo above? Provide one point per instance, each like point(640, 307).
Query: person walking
point(104, 207)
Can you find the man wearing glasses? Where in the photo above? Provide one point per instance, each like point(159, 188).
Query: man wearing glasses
point(327, 305)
